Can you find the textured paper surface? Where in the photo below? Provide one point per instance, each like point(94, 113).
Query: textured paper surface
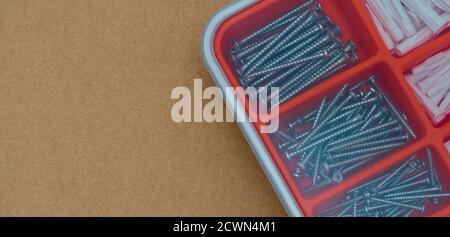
point(85, 124)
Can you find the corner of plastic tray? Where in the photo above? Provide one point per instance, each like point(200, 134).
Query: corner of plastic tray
point(281, 188)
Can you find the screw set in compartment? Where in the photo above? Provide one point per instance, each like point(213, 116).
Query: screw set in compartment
point(402, 192)
point(293, 53)
point(357, 126)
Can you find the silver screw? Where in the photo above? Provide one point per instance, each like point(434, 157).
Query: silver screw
point(322, 184)
point(394, 173)
point(387, 147)
point(405, 186)
point(431, 190)
point(280, 40)
point(316, 167)
point(402, 139)
point(283, 20)
point(434, 180)
point(328, 41)
point(425, 196)
point(297, 138)
point(431, 167)
point(303, 162)
point(315, 32)
point(402, 120)
point(423, 173)
point(250, 49)
point(334, 65)
point(350, 125)
point(326, 166)
point(365, 185)
point(285, 136)
point(326, 119)
point(364, 133)
point(363, 139)
point(319, 112)
point(420, 208)
point(320, 56)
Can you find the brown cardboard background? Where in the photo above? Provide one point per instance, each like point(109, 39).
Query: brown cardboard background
point(85, 124)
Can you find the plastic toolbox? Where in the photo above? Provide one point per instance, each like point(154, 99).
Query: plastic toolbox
point(241, 17)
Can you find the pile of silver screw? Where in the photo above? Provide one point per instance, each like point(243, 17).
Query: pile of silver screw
point(293, 53)
point(359, 125)
point(402, 192)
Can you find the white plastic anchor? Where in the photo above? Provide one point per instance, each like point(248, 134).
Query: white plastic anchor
point(444, 5)
point(431, 63)
point(431, 108)
point(401, 17)
point(384, 35)
point(445, 103)
point(437, 99)
point(388, 22)
point(420, 37)
point(433, 84)
point(433, 20)
point(442, 84)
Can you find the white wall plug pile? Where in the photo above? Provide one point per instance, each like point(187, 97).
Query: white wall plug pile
point(431, 82)
point(406, 24)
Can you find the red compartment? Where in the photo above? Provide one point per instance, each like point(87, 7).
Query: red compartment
point(387, 82)
point(342, 13)
point(355, 24)
point(441, 165)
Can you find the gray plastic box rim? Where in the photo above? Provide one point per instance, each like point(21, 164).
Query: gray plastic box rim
point(259, 149)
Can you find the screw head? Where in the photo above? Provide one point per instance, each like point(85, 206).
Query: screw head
point(288, 155)
point(338, 177)
point(422, 208)
point(368, 194)
point(299, 173)
point(350, 50)
point(292, 126)
point(435, 201)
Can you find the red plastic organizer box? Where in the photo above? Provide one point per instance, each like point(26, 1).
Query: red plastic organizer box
point(375, 59)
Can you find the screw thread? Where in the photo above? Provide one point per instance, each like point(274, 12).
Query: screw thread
point(300, 62)
point(393, 109)
point(253, 47)
point(283, 20)
point(425, 196)
point(333, 134)
point(353, 160)
point(365, 139)
point(386, 148)
point(406, 181)
point(277, 43)
point(298, 51)
point(364, 133)
point(403, 138)
point(395, 172)
point(420, 191)
point(331, 67)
